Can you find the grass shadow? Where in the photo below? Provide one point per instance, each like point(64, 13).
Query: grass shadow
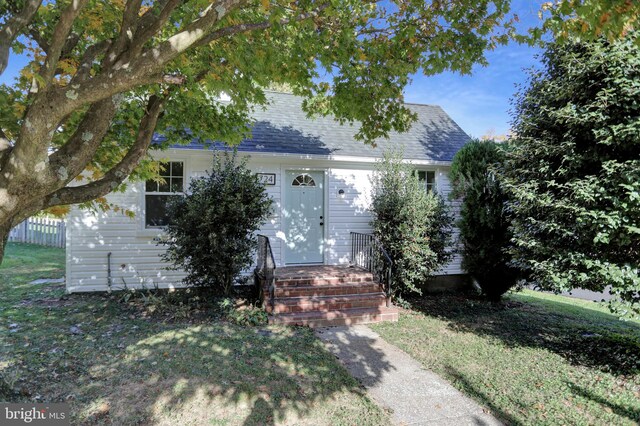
point(475, 392)
point(584, 337)
point(631, 413)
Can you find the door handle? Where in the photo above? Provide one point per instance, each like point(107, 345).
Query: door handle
point(321, 223)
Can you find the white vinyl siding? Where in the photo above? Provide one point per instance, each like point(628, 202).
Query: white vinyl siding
point(347, 213)
point(443, 186)
point(135, 253)
point(135, 260)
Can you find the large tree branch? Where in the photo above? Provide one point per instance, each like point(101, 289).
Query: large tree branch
point(127, 29)
point(180, 42)
point(59, 38)
point(114, 177)
point(135, 32)
point(29, 156)
point(49, 107)
point(151, 13)
point(69, 44)
point(12, 27)
point(126, 74)
point(152, 61)
point(150, 24)
point(38, 38)
point(88, 58)
point(5, 145)
point(71, 159)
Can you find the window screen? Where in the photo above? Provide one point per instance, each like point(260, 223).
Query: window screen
point(159, 193)
point(429, 179)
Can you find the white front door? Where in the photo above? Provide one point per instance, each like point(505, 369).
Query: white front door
point(304, 217)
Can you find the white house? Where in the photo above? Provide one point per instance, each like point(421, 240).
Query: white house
point(316, 172)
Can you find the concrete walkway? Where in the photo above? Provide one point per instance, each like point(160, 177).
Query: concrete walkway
point(397, 382)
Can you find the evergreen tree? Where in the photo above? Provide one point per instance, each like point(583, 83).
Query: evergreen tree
point(484, 227)
point(574, 173)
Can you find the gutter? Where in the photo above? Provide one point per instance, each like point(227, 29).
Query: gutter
point(317, 157)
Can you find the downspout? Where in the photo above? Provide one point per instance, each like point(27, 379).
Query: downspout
point(109, 279)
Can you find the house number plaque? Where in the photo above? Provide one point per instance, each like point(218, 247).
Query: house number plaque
point(267, 178)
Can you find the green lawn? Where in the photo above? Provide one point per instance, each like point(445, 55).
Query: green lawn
point(116, 365)
point(538, 359)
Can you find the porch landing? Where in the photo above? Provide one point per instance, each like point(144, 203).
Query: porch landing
point(323, 295)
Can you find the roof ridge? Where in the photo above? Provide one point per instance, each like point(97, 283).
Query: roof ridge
point(404, 103)
point(419, 104)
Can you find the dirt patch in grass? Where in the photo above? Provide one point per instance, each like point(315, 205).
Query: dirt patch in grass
point(45, 303)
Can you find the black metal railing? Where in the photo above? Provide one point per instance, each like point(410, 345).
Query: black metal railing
point(265, 272)
point(367, 252)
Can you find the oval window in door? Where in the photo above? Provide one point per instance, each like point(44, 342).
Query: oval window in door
point(303, 180)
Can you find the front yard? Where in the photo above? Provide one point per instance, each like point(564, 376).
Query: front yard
point(539, 359)
point(117, 365)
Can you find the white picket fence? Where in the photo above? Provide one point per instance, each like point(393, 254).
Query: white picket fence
point(40, 230)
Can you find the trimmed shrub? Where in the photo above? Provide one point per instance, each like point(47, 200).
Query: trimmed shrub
point(414, 225)
point(484, 227)
point(211, 230)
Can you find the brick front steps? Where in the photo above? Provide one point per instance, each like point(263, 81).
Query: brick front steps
point(320, 296)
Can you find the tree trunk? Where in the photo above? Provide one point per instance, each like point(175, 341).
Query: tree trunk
point(228, 285)
point(4, 237)
point(13, 211)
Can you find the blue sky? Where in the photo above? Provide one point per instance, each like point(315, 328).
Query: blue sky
point(479, 102)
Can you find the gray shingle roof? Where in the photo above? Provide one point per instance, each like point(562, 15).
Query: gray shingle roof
point(283, 127)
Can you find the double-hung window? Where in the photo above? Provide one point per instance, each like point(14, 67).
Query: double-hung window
point(159, 193)
point(428, 178)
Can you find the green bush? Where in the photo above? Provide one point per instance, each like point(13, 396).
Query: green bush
point(414, 225)
point(574, 173)
point(484, 228)
point(246, 315)
point(210, 231)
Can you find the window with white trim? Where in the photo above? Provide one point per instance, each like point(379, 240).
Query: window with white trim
point(428, 178)
point(159, 193)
